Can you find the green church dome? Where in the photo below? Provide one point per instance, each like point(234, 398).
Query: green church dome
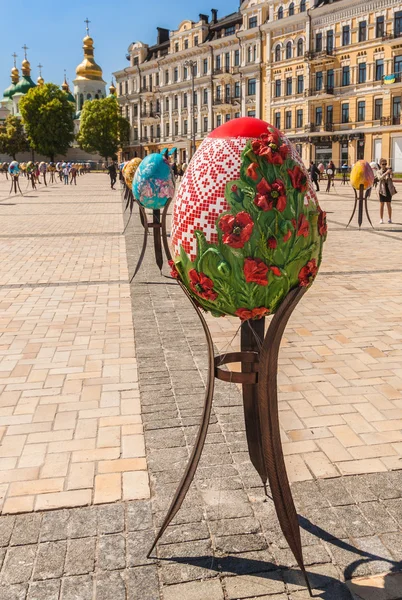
point(9, 92)
point(24, 85)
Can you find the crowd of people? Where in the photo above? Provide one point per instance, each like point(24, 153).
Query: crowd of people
point(44, 173)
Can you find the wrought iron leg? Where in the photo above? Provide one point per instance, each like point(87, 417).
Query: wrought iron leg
point(202, 432)
point(361, 200)
point(251, 339)
point(144, 243)
point(157, 238)
point(269, 418)
point(164, 230)
point(366, 209)
point(354, 210)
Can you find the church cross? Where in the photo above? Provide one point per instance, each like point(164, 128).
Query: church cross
point(40, 69)
point(87, 21)
point(25, 48)
point(14, 55)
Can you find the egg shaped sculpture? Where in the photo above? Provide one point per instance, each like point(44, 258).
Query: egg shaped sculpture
point(153, 183)
point(247, 227)
point(362, 174)
point(14, 168)
point(129, 170)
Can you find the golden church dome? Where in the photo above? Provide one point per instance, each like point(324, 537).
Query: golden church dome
point(15, 75)
point(88, 69)
point(40, 81)
point(26, 67)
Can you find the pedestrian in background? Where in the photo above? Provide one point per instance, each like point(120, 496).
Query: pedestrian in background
point(315, 175)
point(330, 175)
point(73, 173)
point(112, 174)
point(344, 169)
point(386, 189)
point(66, 172)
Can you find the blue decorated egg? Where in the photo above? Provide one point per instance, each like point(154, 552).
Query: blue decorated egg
point(14, 168)
point(153, 183)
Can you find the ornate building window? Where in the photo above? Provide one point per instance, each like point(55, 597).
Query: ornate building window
point(361, 110)
point(303, 6)
point(277, 53)
point(345, 35)
point(280, 12)
point(291, 9)
point(300, 47)
point(299, 118)
point(362, 31)
point(288, 119)
point(252, 22)
point(278, 120)
point(289, 50)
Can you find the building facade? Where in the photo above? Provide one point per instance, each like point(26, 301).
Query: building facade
point(191, 81)
point(328, 74)
point(333, 78)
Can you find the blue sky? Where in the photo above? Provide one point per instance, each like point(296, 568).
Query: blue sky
point(54, 32)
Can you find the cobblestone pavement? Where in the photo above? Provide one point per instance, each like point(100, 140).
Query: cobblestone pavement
point(70, 424)
point(225, 543)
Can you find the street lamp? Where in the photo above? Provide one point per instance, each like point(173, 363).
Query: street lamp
point(192, 64)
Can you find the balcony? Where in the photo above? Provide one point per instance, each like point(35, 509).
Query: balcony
point(226, 101)
point(226, 71)
point(392, 38)
point(322, 56)
point(391, 79)
point(329, 127)
point(311, 128)
point(385, 121)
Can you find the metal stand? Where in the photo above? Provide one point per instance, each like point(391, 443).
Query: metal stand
point(160, 233)
point(259, 359)
point(361, 199)
point(15, 184)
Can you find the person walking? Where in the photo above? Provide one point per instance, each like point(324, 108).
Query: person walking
point(112, 174)
point(386, 189)
point(315, 175)
point(330, 175)
point(73, 173)
point(344, 169)
point(66, 172)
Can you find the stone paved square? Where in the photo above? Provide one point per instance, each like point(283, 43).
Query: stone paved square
point(97, 419)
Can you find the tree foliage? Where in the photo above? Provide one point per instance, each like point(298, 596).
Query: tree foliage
point(12, 137)
point(102, 128)
point(48, 118)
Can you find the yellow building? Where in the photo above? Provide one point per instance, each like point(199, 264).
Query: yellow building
point(333, 78)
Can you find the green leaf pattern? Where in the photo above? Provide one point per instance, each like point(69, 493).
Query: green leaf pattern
point(223, 264)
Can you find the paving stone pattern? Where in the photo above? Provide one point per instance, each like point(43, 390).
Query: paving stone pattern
point(70, 424)
point(225, 541)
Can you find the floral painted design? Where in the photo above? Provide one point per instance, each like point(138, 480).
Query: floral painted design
point(268, 242)
point(202, 285)
point(237, 229)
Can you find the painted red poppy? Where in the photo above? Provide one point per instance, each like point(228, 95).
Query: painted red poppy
point(252, 171)
point(270, 195)
point(298, 178)
point(308, 273)
point(322, 222)
point(270, 146)
point(255, 271)
point(202, 285)
point(237, 229)
point(303, 226)
point(257, 313)
point(272, 243)
point(173, 270)
point(276, 271)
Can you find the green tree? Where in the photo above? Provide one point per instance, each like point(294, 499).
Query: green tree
point(12, 137)
point(102, 128)
point(48, 118)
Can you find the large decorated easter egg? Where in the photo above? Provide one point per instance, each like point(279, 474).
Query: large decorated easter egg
point(246, 227)
point(14, 168)
point(129, 170)
point(153, 183)
point(362, 174)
